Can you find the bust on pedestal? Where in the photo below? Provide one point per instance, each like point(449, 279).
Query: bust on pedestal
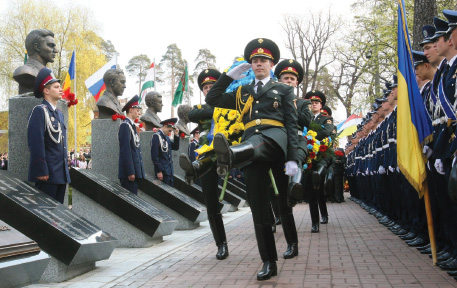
point(183, 110)
point(108, 104)
point(150, 118)
point(41, 49)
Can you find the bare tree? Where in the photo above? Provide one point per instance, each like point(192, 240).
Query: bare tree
point(308, 38)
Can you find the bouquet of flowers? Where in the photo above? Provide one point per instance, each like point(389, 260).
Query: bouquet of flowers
point(317, 150)
point(225, 122)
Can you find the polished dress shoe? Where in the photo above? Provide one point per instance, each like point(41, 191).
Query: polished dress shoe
point(273, 228)
point(438, 253)
point(426, 251)
point(269, 269)
point(324, 220)
point(452, 273)
point(400, 232)
point(443, 257)
point(292, 251)
point(427, 246)
point(450, 265)
point(419, 242)
point(315, 228)
point(222, 251)
point(277, 221)
point(408, 236)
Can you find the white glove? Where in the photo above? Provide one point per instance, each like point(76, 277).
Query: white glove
point(237, 72)
point(439, 166)
point(382, 170)
point(427, 151)
point(291, 167)
point(398, 169)
point(391, 169)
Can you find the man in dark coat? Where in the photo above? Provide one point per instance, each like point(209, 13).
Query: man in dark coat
point(46, 135)
point(161, 147)
point(269, 140)
point(130, 159)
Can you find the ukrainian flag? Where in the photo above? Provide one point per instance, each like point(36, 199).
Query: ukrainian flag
point(414, 127)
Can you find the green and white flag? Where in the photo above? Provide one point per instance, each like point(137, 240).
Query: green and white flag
point(182, 86)
point(148, 82)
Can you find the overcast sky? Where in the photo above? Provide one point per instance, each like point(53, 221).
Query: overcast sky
point(148, 27)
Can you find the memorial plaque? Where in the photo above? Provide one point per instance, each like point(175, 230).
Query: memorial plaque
point(61, 233)
point(237, 190)
point(239, 184)
point(177, 201)
point(13, 242)
point(196, 193)
point(123, 203)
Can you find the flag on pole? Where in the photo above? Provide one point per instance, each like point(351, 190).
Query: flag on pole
point(95, 83)
point(148, 82)
point(414, 127)
point(182, 86)
point(70, 76)
point(349, 126)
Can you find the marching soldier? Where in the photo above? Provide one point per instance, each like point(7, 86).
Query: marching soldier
point(161, 147)
point(205, 167)
point(46, 135)
point(130, 158)
point(269, 140)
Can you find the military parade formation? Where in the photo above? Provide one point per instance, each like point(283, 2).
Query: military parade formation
point(288, 150)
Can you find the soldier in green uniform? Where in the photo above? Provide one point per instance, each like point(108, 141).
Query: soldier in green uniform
point(316, 191)
point(269, 140)
point(205, 167)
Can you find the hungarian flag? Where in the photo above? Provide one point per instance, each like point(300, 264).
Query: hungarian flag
point(182, 86)
point(148, 82)
point(70, 76)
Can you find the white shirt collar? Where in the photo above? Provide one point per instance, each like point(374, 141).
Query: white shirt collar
point(452, 61)
point(264, 81)
point(53, 107)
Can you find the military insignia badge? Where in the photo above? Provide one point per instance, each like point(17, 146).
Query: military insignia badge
point(52, 119)
point(274, 91)
point(260, 50)
point(275, 104)
point(291, 61)
point(329, 121)
point(424, 32)
point(260, 40)
point(206, 71)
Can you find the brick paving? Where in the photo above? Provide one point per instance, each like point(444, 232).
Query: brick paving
point(352, 250)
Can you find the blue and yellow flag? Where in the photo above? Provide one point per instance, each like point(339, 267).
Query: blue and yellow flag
point(414, 127)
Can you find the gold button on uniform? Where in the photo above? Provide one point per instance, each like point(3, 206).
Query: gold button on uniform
point(257, 130)
point(256, 111)
point(257, 102)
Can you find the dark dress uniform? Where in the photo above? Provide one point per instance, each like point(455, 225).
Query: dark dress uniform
point(338, 173)
point(269, 140)
point(161, 147)
point(130, 158)
point(46, 135)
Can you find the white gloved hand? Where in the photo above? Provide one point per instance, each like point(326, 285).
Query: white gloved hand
point(291, 168)
point(439, 166)
point(382, 170)
point(427, 151)
point(237, 72)
point(391, 169)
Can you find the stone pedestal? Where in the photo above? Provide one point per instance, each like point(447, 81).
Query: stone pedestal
point(18, 149)
point(74, 242)
point(23, 270)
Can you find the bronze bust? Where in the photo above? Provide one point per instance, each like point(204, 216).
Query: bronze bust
point(183, 110)
point(41, 49)
point(154, 102)
point(108, 104)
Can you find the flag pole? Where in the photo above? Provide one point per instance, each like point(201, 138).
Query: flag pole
point(75, 105)
point(431, 232)
point(155, 89)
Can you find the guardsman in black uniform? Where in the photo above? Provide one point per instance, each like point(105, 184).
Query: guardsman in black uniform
point(130, 160)
point(193, 145)
point(204, 169)
point(329, 188)
point(316, 190)
point(46, 135)
point(338, 173)
point(269, 140)
point(161, 147)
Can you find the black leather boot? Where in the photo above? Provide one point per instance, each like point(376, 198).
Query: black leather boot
point(324, 220)
point(317, 176)
point(229, 157)
point(267, 250)
point(314, 211)
point(196, 169)
point(217, 227)
point(295, 189)
point(315, 228)
point(290, 233)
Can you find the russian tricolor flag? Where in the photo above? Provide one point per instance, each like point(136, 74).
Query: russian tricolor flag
point(95, 83)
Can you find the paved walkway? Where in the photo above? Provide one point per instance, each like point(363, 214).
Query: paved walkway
point(352, 250)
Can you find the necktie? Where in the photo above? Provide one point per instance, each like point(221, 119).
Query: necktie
point(259, 86)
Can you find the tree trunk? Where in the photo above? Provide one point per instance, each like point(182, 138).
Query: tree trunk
point(424, 10)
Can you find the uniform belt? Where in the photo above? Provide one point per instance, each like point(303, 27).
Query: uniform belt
point(392, 140)
point(259, 122)
point(385, 146)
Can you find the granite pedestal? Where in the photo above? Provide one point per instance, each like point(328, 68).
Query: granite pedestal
point(23, 270)
point(18, 150)
point(133, 221)
point(75, 243)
